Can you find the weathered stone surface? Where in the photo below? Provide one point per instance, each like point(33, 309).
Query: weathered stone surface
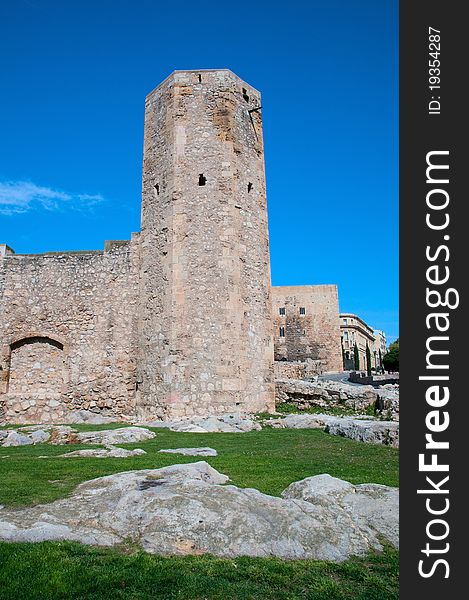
point(205, 309)
point(64, 434)
point(124, 435)
point(374, 432)
point(86, 416)
point(39, 436)
point(184, 509)
point(67, 333)
point(309, 317)
point(229, 423)
point(388, 402)
point(300, 421)
point(109, 452)
point(369, 504)
point(16, 439)
point(356, 428)
point(191, 451)
point(326, 393)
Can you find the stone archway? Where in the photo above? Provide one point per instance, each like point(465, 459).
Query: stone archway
point(36, 367)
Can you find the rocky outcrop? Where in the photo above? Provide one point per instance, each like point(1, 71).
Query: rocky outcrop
point(326, 393)
point(124, 435)
point(191, 451)
point(186, 509)
point(64, 434)
point(374, 432)
point(229, 423)
point(373, 505)
point(355, 428)
point(109, 452)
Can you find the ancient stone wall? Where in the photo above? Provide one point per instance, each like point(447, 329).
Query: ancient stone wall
point(205, 331)
point(67, 333)
point(306, 325)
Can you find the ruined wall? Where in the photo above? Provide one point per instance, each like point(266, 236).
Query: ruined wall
point(313, 335)
point(205, 331)
point(67, 333)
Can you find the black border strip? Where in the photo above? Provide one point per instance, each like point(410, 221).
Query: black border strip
point(426, 128)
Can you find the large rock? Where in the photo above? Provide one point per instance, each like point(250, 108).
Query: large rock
point(39, 436)
point(186, 509)
point(109, 452)
point(191, 451)
point(325, 393)
point(356, 428)
point(86, 416)
point(64, 434)
point(228, 423)
point(124, 435)
point(16, 439)
point(374, 432)
point(300, 421)
point(369, 504)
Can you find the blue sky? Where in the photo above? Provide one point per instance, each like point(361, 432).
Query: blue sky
point(74, 76)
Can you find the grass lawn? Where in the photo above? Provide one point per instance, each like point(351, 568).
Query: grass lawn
point(268, 460)
point(68, 570)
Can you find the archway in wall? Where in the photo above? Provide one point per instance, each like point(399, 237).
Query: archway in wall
point(36, 367)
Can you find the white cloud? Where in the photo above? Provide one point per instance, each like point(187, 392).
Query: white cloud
point(22, 196)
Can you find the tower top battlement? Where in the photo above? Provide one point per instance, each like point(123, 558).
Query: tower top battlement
point(188, 76)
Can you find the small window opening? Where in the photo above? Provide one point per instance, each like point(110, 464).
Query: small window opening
point(282, 331)
point(157, 189)
point(281, 311)
point(249, 187)
point(202, 179)
point(200, 78)
point(302, 310)
point(245, 95)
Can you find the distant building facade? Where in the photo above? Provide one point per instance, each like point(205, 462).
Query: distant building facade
point(306, 325)
point(379, 347)
point(353, 331)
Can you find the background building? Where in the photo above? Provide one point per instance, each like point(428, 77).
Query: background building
point(306, 325)
point(379, 346)
point(353, 331)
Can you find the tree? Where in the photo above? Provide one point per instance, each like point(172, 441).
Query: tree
point(391, 358)
point(356, 357)
point(368, 361)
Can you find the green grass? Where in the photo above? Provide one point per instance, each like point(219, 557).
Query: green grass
point(289, 408)
point(67, 570)
point(268, 460)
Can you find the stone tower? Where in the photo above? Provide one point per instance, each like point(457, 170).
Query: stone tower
point(205, 325)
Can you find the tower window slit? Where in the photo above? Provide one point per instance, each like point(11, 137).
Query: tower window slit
point(249, 187)
point(202, 179)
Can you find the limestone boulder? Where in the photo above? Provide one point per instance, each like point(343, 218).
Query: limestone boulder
point(39, 436)
point(325, 393)
point(86, 416)
point(191, 451)
point(123, 435)
point(300, 421)
point(364, 430)
point(187, 509)
point(109, 452)
point(370, 505)
point(228, 423)
point(16, 439)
